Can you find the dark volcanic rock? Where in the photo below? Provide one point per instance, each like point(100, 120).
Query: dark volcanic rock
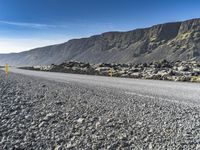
point(160, 70)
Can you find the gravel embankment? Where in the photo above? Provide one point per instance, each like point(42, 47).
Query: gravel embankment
point(41, 114)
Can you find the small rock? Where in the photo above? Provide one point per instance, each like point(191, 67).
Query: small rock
point(41, 124)
point(80, 120)
point(28, 117)
point(150, 146)
point(70, 145)
point(113, 146)
point(77, 133)
point(139, 123)
point(122, 136)
point(48, 116)
point(98, 124)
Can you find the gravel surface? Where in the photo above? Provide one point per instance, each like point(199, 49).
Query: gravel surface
point(42, 114)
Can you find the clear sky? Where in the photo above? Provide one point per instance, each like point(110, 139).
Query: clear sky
point(26, 24)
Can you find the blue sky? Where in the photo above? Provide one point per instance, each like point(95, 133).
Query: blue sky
point(26, 24)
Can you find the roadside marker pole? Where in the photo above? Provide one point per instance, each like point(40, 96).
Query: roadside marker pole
point(110, 72)
point(6, 71)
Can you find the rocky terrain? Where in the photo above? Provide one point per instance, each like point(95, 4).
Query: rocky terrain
point(162, 70)
point(171, 41)
point(41, 114)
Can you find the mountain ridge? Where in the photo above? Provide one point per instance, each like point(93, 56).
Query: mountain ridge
point(171, 41)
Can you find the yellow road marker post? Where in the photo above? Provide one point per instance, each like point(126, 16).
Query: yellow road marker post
point(6, 71)
point(110, 72)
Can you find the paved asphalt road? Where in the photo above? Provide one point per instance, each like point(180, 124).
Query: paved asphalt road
point(181, 92)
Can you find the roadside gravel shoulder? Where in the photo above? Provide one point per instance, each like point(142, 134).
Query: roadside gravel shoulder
point(43, 114)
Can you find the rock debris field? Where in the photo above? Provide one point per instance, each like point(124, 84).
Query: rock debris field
point(42, 114)
point(186, 71)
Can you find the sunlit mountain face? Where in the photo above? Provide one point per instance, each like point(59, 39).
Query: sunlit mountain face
point(30, 24)
point(170, 41)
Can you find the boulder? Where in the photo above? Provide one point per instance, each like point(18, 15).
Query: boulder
point(183, 68)
point(136, 75)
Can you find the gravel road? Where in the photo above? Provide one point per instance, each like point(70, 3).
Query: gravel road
point(36, 113)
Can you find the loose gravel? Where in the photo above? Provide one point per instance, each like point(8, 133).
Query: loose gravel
point(40, 114)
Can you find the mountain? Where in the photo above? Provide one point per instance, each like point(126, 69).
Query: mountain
point(171, 41)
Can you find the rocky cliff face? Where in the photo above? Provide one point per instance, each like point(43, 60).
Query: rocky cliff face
point(170, 41)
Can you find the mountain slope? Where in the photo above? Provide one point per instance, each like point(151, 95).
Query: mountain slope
point(171, 41)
